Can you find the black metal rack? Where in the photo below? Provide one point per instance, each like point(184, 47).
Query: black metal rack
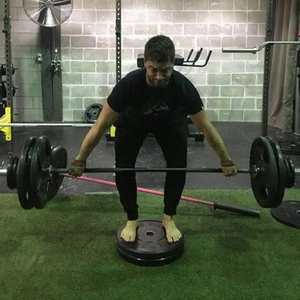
point(7, 70)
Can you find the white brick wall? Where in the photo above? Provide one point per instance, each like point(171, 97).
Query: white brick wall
point(231, 84)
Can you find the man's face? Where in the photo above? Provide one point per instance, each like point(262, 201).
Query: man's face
point(158, 74)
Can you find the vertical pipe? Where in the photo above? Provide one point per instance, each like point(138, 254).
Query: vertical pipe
point(118, 42)
point(8, 67)
point(297, 90)
point(51, 73)
point(7, 31)
point(267, 65)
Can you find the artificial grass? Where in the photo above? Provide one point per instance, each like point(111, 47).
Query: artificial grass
point(68, 251)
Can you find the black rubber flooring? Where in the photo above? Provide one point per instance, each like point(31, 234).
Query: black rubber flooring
point(238, 138)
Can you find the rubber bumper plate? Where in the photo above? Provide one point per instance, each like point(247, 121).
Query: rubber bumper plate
point(151, 247)
point(287, 213)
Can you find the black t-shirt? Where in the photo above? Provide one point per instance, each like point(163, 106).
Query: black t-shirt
point(142, 105)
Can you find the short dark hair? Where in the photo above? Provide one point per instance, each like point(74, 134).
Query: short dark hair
point(160, 48)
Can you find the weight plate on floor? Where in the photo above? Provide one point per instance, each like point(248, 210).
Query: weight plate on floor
point(58, 160)
point(287, 213)
point(92, 112)
point(282, 173)
point(265, 182)
point(11, 172)
point(23, 174)
point(151, 247)
point(290, 173)
point(39, 172)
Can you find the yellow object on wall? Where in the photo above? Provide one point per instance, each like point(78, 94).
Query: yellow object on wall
point(6, 119)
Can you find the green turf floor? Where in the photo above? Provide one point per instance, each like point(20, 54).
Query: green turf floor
point(68, 251)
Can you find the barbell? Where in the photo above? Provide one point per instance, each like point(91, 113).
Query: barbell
point(39, 171)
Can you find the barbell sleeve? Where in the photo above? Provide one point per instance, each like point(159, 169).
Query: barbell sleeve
point(239, 210)
point(3, 172)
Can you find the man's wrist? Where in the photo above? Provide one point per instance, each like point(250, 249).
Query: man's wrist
point(78, 162)
point(80, 159)
point(227, 163)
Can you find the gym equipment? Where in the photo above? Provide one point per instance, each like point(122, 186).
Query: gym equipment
point(3, 69)
point(257, 49)
point(287, 213)
point(269, 172)
point(267, 61)
point(92, 112)
point(180, 61)
point(48, 13)
point(213, 204)
point(150, 247)
point(39, 172)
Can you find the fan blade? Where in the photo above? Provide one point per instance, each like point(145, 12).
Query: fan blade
point(61, 2)
point(48, 13)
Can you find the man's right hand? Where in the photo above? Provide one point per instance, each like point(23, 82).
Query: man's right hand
point(77, 167)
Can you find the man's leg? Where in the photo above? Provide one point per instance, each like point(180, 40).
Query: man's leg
point(173, 143)
point(127, 145)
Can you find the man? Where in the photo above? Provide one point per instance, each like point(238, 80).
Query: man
point(157, 100)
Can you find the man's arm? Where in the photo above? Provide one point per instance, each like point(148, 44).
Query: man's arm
point(202, 122)
point(106, 118)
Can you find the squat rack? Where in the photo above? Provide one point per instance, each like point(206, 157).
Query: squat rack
point(270, 19)
point(8, 72)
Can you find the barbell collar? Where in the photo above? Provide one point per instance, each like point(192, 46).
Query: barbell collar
point(152, 170)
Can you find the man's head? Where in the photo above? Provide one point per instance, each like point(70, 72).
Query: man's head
point(159, 56)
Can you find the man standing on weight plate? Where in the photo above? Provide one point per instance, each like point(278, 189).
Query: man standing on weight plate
point(156, 99)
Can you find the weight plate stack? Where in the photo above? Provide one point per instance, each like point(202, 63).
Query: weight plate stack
point(11, 175)
point(151, 247)
point(39, 172)
point(58, 160)
point(23, 174)
point(265, 182)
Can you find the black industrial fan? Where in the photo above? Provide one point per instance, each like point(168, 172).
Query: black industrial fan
point(48, 13)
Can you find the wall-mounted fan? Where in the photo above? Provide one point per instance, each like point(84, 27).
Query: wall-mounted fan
point(48, 13)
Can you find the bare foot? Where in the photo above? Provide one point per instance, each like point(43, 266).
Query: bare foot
point(128, 234)
point(172, 232)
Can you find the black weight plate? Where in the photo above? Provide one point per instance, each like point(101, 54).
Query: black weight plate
point(11, 176)
point(23, 173)
point(287, 213)
point(92, 112)
point(281, 171)
point(39, 172)
point(14, 171)
point(58, 160)
point(264, 182)
point(290, 170)
point(151, 247)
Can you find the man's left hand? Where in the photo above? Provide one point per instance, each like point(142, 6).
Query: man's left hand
point(228, 168)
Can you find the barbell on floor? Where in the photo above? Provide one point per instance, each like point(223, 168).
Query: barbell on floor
point(37, 172)
point(215, 205)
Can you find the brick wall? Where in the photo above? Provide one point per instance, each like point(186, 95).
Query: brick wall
point(230, 85)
